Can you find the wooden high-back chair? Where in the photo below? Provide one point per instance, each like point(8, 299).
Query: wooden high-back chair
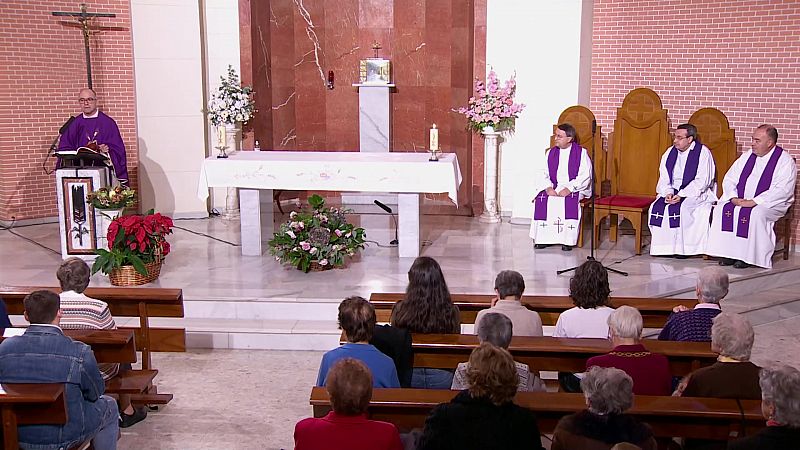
point(581, 118)
point(716, 133)
point(641, 135)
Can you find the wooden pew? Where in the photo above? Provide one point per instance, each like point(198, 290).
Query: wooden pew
point(707, 418)
point(445, 351)
point(117, 346)
point(655, 311)
point(139, 302)
point(30, 404)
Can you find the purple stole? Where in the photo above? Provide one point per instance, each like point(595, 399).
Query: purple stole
point(689, 174)
point(571, 201)
point(743, 227)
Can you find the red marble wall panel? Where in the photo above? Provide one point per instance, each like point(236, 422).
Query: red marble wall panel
point(435, 56)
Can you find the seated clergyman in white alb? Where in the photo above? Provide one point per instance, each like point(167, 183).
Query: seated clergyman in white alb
point(756, 192)
point(686, 193)
point(564, 182)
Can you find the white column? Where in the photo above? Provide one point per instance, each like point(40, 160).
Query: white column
point(257, 220)
point(408, 215)
point(491, 185)
point(374, 134)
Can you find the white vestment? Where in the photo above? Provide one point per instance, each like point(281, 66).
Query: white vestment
point(772, 204)
point(699, 195)
point(557, 229)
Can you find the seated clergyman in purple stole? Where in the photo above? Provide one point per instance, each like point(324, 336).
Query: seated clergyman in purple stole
point(756, 192)
point(566, 180)
point(686, 193)
point(97, 128)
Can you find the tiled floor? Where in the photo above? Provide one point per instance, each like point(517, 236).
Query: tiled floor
point(250, 399)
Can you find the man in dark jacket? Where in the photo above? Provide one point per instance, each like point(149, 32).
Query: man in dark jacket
point(44, 355)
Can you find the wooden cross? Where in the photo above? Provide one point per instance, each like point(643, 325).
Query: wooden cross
point(83, 19)
point(375, 47)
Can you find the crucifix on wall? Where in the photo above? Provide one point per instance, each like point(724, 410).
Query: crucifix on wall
point(84, 19)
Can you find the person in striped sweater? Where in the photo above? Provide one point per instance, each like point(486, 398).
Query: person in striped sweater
point(79, 312)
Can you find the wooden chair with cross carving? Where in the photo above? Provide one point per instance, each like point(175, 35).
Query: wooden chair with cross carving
point(641, 134)
point(582, 118)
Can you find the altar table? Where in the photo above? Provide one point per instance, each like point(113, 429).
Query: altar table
point(256, 174)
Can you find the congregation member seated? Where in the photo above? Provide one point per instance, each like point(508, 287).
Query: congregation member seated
point(349, 385)
point(497, 330)
point(396, 343)
point(5, 322)
point(695, 324)
point(509, 286)
point(79, 312)
point(609, 393)
point(484, 416)
point(427, 308)
point(44, 355)
point(649, 371)
point(589, 318)
point(757, 190)
point(357, 319)
point(733, 375)
point(686, 191)
point(780, 404)
point(559, 189)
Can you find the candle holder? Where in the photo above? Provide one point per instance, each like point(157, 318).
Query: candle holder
point(434, 155)
point(222, 154)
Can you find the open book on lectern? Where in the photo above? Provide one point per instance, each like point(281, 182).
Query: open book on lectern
point(85, 153)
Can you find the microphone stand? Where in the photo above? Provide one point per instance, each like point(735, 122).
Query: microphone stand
point(382, 206)
point(591, 201)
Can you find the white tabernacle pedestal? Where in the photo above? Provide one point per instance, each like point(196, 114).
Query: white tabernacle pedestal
point(256, 174)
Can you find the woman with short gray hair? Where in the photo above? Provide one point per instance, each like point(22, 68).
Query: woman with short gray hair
point(780, 404)
point(733, 375)
point(609, 393)
point(649, 371)
point(695, 324)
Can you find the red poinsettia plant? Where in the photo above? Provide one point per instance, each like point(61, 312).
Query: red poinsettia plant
point(134, 240)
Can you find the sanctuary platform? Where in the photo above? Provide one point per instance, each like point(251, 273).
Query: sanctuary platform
point(249, 302)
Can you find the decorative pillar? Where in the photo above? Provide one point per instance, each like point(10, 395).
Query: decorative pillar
point(232, 194)
point(491, 180)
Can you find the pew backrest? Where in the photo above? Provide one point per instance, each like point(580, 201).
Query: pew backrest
point(655, 311)
point(708, 418)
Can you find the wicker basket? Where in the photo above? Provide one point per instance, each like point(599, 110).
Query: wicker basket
point(128, 276)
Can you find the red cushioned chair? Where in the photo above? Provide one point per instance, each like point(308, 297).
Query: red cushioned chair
point(641, 135)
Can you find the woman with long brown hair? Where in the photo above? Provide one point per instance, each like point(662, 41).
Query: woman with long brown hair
point(427, 308)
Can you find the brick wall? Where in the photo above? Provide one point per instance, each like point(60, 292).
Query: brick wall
point(739, 56)
point(42, 69)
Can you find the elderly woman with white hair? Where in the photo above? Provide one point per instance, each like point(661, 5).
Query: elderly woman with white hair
point(649, 371)
point(780, 404)
point(733, 375)
point(695, 324)
point(609, 393)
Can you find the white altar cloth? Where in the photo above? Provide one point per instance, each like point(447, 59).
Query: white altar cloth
point(408, 174)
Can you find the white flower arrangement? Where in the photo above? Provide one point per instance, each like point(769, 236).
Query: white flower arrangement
point(232, 102)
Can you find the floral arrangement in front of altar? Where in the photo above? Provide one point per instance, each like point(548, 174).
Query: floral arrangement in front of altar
point(112, 198)
point(135, 240)
point(492, 104)
point(318, 238)
point(232, 102)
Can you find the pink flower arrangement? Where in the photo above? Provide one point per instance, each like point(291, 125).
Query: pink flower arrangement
point(493, 105)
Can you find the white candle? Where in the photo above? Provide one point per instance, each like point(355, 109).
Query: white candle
point(434, 138)
point(221, 137)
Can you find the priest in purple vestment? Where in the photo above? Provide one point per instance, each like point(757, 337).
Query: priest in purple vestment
point(756, 192)
point(94, 126)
